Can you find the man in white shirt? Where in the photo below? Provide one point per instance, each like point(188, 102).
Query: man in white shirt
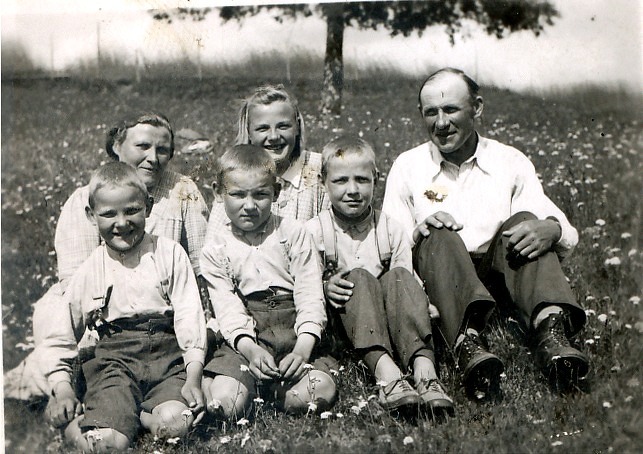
point(481, 222)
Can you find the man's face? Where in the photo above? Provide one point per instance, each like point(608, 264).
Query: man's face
point(449, 112)
point(248, 197)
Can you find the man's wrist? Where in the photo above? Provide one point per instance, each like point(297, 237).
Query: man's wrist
point(560, 228)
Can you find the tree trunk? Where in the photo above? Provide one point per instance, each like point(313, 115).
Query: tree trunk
point(331, 95)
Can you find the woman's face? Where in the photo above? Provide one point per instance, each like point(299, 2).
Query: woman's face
point(148, 149)
point(274, 128)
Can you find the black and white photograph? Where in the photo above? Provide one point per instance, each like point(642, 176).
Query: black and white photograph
point(344, 226)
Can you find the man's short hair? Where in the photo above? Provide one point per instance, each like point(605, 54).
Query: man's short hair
point(115, 174)
point(472, 85)
point(344, 145)
point(264, 96)
point(247, 158)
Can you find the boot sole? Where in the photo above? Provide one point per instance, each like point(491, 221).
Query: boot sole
point(483, 376)
point(567, 370)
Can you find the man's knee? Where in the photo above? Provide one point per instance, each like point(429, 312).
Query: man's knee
point(517, 218)
point(360, 276)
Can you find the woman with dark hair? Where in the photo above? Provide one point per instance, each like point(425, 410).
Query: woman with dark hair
point(146, 142)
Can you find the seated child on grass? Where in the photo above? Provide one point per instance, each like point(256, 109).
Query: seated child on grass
point(375, 299)
point(138, 291)
point(264, 279)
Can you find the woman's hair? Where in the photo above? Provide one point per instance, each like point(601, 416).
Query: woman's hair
point(247, 158)
point(344, 145)
point(117, 134)
point(115, 174)
point(265, 95)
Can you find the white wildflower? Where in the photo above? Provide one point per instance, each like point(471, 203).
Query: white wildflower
point(407, 440)
point(308, 366)
point(242, 422)
point(258, 400)
point(326, 414)
point(225, 439)
point(626, 235)
point(629, 399)
point(244, 368)
point(355, 409)
point(612, 261)
point(602, 318)
point(607, 404)
point(635, 300)
point(557, 443)
point(339, 415)
point(186, 413)
point(589, 341)
point(600, 222)
point(312, 406)
point(245, 439)
point(334, 372)
point(172, 441)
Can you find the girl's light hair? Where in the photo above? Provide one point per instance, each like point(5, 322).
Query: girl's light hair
point(343, 145)
point(265, 95)
point(115, 174)
point(247, 158)
point(118, 133)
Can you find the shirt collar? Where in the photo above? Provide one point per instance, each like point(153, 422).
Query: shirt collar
point(267, 227)
point(293, 173)
point(481, 157)
point(360, 227)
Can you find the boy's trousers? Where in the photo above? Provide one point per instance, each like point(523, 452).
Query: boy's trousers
point(461, 289)
point(389, 314)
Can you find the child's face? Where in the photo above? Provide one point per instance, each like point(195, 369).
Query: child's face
point(247, 197)
point(274, 127)
point(147, 148)
point(119, 213)
point(349, 184)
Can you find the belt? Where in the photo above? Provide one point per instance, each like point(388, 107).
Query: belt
point(151, 324)
point(271, 297)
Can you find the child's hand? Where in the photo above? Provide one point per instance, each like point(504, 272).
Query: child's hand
point(292, 367)
point(338, 290)
point(261, 363)
point(64, 406)
point(193, 394)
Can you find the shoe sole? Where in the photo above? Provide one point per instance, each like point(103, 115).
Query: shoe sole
point(483, 377)
point(567, 370)
point(441, 407)
point(404, 402)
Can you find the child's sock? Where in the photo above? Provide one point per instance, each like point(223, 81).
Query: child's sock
point(386, 370)
point(423, 368)
point(546, 312)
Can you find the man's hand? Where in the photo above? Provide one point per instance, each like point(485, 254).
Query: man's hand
point(261, 363)
point(338, 290)
point(192, 392)
point(533, 238)
point(437, 220)
point(63, 405)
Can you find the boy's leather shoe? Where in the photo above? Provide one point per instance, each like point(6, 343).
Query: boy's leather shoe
point(433, 394)
point(561, 363)
point(480, 369)
point(397, 394)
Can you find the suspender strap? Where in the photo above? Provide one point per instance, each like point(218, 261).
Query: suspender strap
point(161, 267)
point(330, 241)
point(382, 238)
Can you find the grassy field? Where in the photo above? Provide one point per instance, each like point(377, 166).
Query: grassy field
point(586, 145)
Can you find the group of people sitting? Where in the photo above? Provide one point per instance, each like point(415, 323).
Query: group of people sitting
point(174, 311)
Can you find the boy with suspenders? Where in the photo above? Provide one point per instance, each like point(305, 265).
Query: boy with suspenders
point(369, 285)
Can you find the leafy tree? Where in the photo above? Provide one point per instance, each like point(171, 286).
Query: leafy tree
point(497, 17)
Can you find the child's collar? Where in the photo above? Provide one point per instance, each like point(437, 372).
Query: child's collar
point(346, 223)
point(118, 255)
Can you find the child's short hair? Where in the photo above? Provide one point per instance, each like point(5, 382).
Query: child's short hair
point(117, 134)
point(246, 157)
point(347, 145)
point(265, 95)
point(115, 174)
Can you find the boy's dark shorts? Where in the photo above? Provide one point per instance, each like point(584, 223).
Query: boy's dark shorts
point(275, 330)
point(138, 366)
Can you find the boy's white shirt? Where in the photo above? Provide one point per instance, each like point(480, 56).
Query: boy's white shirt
point(357, 247)
point(136, 291)
point(286, 258)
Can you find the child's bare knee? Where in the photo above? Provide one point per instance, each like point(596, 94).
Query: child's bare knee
point(96, 440)
point(315, 392)
point(171, 419)
point(227, 397)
